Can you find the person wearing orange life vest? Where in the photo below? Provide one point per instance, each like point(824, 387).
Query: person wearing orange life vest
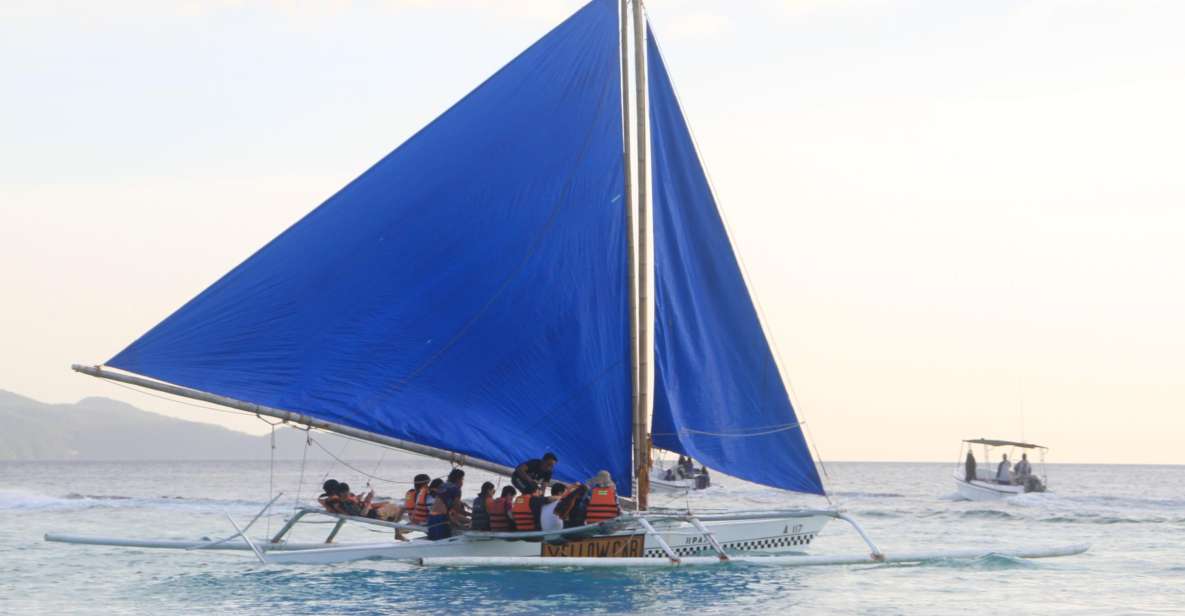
point(424, 499)
point(409, 498)
point(499, 510)
point(528, 508)
point(602, 499)
point(480, 520)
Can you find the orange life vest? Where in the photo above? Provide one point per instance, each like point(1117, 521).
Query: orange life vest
point(419, 514)
point(524, 519)
point(499, 517)
point(602, 505)
point(409, 501)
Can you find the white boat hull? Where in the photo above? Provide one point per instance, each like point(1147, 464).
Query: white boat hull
point(978, 490)
point(768, 536)
point(772, 535)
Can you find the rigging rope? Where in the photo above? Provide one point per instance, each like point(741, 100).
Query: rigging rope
point(304, 456)
point(352, 467)
point(755, 431)
point(271, 477)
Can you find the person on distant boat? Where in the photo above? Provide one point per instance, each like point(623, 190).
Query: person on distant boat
point(703, 480)
point(969, 466)
point(535, 474)
point(499, 510)
point(481, 507)
point(447, 510)
point(1004, 471)
point(329, 498)
point(1023, 469)
point(602, 499)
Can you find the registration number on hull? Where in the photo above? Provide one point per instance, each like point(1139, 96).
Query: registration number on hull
point(598, 547)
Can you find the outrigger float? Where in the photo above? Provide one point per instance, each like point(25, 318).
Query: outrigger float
point(490, 291)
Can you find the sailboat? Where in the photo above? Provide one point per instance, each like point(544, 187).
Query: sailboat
point(485, 293)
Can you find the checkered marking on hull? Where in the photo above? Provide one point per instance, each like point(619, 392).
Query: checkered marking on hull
point(753, 545)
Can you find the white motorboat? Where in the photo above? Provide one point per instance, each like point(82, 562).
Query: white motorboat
point(483, 294)
point(673, 479)
point(988, 481)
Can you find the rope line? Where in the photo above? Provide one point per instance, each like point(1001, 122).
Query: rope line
point(354, 468)
point(743, 434)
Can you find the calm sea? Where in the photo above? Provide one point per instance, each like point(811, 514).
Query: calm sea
point(1133, 516)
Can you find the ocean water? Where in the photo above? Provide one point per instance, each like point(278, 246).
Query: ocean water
point(1133, 517)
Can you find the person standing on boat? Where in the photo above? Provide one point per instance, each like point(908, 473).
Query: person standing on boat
point(1004, 471)
point(535, 474)
point(481, 507)
point(969, 466)
point(1023, 469)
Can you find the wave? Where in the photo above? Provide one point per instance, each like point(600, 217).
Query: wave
point(24, 500)
point(990, 562)
point(868, 494)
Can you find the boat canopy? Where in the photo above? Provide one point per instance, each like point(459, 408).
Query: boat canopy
point(467, 292)
point(998, 443)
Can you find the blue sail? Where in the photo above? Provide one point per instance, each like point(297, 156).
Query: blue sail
point(718, 395)
point(467, 292)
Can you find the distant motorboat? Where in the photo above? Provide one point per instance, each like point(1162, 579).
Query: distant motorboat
point(986, 483)
point(678, 479)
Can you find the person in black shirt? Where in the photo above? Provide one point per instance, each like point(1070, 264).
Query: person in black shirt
point(531, 474)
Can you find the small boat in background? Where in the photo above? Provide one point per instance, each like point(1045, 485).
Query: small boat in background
point(680, 477)
point(986, 480)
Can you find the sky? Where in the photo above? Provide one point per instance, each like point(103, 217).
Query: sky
point(960, 218)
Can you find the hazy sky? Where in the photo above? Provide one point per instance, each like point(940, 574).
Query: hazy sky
point(962, 218)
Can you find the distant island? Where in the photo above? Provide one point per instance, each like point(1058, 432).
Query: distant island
point(106, 429)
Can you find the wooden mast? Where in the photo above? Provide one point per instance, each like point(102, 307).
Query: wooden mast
point(630, 225)
point(643, 313)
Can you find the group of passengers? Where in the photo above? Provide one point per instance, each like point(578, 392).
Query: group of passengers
point(533, 502)
point(1006, 473)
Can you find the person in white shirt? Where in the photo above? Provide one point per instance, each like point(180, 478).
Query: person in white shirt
point(1004, 471)
point(548, 518)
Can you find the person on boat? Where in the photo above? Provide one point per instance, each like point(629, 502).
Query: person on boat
point(1004, 471)
point(528, 508)
point(552, 510)
point(365, 506)
point(447, 510)
point(602, 499)
point(329, 497)
point(969, 466)
point(499, 510)
point(424, 499)
point(534, 475)
point(703, 480)
point(418, 483)
point(1023, 469)
point(606, 506)
point(482, 504)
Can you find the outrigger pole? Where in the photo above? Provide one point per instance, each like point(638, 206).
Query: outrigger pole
point(451, 457)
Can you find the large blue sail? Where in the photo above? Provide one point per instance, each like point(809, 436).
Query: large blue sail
point(718, 394)
point(467, 292)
